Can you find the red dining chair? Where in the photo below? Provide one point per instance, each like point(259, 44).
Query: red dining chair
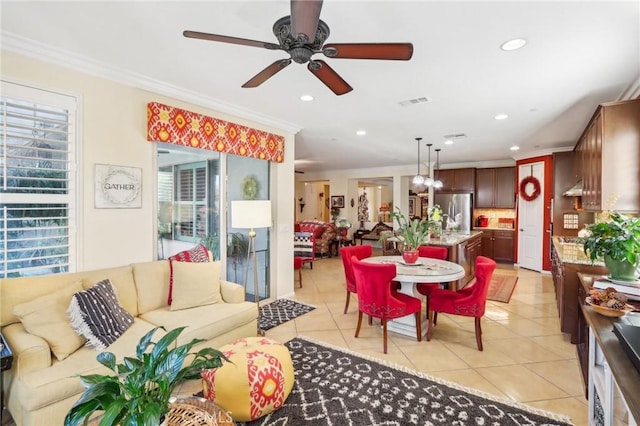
point(379, 299)
point(434, 252)
point(468, 302)
point(297, 265)
point(347, 253)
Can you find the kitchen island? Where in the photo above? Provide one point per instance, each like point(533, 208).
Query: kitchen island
point(463, 250)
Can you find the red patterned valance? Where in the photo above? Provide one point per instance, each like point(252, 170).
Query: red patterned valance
point(181, 127)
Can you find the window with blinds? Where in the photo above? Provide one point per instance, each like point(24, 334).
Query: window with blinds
point(37, 191)
point(191, 201)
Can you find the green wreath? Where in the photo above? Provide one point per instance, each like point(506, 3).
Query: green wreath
point(250, 187)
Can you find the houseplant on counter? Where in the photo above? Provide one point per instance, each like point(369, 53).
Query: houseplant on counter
point(616, 240)
point(411, 233)
point(138, 393)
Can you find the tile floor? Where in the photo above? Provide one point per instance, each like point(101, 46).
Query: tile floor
point(526, 358)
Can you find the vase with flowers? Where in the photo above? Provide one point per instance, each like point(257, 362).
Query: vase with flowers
point(412, 233)
point(616, 240)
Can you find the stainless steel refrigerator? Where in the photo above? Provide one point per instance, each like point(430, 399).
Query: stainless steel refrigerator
point(454, 204)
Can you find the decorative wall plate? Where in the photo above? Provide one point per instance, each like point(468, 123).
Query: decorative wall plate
point(250, 187)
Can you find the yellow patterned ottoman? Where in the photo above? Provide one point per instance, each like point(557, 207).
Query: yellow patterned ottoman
point(257, 383)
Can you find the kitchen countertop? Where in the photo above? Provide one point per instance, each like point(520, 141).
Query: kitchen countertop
point(452, 239)
point(573, 253)
point(491, 228)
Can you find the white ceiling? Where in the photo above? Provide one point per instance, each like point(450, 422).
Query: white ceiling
point(579, 53)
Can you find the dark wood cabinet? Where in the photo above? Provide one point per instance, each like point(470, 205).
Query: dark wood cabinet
point(496, 188)
point(582, 336)
point(457, 180)
point(498, 245)
point(566, 282)
point(608, 155)
point(474, 249)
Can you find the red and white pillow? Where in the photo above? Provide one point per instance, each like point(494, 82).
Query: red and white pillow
point(197, 254)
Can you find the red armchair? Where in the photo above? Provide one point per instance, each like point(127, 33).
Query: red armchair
point(359, 252)
point(378, 299)
point(434, 252)
point(469, 301)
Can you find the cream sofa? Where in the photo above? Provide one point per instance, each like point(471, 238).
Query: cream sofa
point(40, 389)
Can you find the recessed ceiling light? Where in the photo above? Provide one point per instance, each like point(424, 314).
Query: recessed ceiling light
point(501, 117)
point(448, 142)
point(361, 132)
point(514, 148)
point(514, 44)
point(306, 98)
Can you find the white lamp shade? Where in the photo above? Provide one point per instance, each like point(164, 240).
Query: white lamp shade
point(251, 214)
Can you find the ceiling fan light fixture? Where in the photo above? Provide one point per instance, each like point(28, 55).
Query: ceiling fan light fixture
point(448, 142)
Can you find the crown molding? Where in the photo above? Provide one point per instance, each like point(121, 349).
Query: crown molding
point(632, 91)
point(540, 153)
point(14, 43)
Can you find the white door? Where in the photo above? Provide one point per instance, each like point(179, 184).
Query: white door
point(530, 220)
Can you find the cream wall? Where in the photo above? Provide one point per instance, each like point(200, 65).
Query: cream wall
point(112, 130)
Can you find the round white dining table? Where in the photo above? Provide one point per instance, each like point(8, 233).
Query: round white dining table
point(425, 270)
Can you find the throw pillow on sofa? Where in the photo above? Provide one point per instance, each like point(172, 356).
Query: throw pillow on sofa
point(97, 314)
point(46, 316)
point(197, 254)
point(195, 284)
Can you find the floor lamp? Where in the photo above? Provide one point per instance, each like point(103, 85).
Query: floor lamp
point(252, 214)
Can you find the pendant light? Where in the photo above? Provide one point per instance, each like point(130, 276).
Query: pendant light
point(437, 184)
point(428, 180)
point(418, 179)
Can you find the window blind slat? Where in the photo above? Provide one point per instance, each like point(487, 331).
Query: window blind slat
point(35, 157)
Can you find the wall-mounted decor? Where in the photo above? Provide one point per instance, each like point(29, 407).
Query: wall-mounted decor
point(250, 187)
point(337, 201)
point(118, 187)
point(412, 206)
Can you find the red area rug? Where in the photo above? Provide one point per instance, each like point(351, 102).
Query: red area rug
point(501, 287)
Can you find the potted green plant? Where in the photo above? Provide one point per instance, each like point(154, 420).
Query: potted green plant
point(411, 233)
point(139, 391)
point(616, 240)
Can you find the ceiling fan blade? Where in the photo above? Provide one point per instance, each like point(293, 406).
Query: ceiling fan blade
point(305, 15)
point(232, 40)
point(388, 51)
point(329, 77)
point(267, 73)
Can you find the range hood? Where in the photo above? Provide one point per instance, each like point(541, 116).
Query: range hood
point(574, 191)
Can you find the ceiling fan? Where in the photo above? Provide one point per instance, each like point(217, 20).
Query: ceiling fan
point(302, 35)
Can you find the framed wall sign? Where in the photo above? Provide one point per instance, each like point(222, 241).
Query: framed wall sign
point(337, 201)
point(118, 187)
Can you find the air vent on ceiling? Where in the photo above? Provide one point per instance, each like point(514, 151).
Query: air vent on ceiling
point(455, 136)
point(409, 102)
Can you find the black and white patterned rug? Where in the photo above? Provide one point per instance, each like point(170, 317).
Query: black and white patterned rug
point(281, 311)
point(334, 386)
